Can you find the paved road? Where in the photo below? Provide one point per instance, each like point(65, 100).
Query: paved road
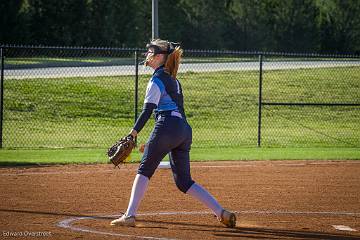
point(63, 72)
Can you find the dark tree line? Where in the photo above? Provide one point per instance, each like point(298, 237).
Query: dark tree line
point(326, 26)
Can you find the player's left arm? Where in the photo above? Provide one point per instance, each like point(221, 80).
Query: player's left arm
point(152, 98)
point(143, 118)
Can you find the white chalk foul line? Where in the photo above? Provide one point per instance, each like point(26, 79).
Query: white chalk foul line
point(67, 223)
point(344, 228)
point(298, 213)
point(55, 173)
point(240, 165)
point(256, 212)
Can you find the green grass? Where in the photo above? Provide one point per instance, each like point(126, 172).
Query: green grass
point(222, 108)
point(77, 156)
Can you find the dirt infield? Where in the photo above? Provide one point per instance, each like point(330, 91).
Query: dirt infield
point(272, 199)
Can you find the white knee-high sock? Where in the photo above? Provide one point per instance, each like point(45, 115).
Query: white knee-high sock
point(137, 193)
point(206, 198)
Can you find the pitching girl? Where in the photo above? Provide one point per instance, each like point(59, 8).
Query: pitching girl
point(171, 134)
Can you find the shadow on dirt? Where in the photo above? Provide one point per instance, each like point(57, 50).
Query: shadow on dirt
point(215, 230)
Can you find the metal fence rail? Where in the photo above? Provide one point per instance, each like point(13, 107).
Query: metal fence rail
point(317, 107)
point(66, 97)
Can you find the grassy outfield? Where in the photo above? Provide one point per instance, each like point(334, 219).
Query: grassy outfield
point(93, 112)
point(66, 156)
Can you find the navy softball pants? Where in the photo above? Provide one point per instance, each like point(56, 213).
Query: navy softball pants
point(173, 135)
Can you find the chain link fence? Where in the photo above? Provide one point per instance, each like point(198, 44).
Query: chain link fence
point(61, 97)
point(67, 97)
point(310, 101)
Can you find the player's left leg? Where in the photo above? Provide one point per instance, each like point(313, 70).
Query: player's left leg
point(180, 165)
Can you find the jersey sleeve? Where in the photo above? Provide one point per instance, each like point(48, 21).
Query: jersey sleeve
point(153, 93)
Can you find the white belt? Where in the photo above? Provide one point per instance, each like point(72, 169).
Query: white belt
point(176, 114)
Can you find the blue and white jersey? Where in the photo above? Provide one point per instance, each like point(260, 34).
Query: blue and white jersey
point(156, 93)
point(163, 93)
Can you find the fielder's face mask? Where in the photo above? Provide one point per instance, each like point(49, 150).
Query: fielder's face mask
point(153, 50)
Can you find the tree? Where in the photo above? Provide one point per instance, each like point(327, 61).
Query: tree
point(340, 26)
point(58, 22)
point(266, 25)
point(206, 23)
point(292, 25)
point(111, 22)
point(13, 21)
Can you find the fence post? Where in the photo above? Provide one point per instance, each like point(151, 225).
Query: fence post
point(2, 54)
point(260, 99)
point(136, 85)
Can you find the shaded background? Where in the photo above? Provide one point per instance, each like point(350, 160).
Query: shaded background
point(322, 26)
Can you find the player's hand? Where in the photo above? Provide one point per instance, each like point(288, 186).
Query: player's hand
point(133, 133)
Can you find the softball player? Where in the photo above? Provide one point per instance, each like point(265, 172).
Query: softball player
point(171, 134)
